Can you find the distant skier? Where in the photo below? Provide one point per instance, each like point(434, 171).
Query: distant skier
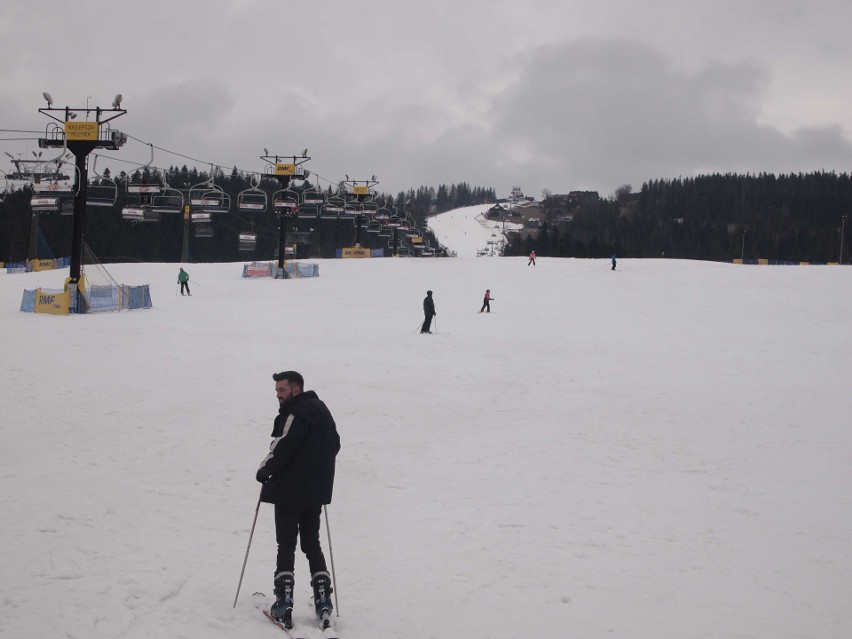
point(428, 312)
point(532, 259)
point(183, 279)
point(613, 263)
point(486, 302)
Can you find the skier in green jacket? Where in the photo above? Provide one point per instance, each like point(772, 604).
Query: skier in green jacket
point(183, 278)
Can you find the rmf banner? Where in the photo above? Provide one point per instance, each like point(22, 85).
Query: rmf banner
point(43, 265)
point(355, 252)
point(53, 303)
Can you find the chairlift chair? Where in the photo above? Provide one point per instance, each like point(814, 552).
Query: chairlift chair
point(215, 201)
point(44, 203)
point(308, 211)
point(330, 211)
point(101, 194)
point(285, 202)
point(393, 222)
point(169, 201)
point(382, 215)
point(313, 196)
point(252, 200)
point(50, 195)
point(385, 231)
point(203, 230)
point(373, 226)
point(248, 241)
point(352, 209)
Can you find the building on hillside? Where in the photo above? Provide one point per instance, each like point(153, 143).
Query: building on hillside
point(562, 207)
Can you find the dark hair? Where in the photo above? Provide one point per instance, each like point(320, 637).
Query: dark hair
point(290, 376)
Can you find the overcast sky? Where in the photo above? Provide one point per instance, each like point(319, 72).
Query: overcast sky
point(543, 94)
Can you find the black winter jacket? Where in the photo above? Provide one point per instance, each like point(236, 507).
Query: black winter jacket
point(300, 464)
point(429, 306)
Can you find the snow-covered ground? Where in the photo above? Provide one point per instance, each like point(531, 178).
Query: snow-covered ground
point(663, 451)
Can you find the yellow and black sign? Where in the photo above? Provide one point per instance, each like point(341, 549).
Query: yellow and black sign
point(81, 131)
point(360, 190)
point(285, 169)
point(53, 303)
point(355, 252)
point(416, 239)
point(43, 265)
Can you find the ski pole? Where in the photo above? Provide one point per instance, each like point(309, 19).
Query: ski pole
point(418, 327)
point(331, 556)
point(245, 561)
point(436, 325)
point(194, 282)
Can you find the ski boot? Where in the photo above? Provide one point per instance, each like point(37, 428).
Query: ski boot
point(321, 582)
point(282, 609)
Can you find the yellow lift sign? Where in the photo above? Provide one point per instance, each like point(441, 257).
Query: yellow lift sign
point(81, 131)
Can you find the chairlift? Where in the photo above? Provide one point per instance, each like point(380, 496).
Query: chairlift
point(215, 201)
point(385, 231)
point(373, 226)
point(169, 201)
point(203, 230)
point(253, 199)
point(44, 203)
point(140, 213)
point(412, 232)
point(145, 190)
point(403, 251)
point(248, 241)
point(208, 197)
point(330, 211)
point(308, 211)
point(101, 194)
point(50, 196)
point(352, 209)
point(393, 222)
point(382, 215)
point(313, 196)
point(285, 202)
point(200, 217)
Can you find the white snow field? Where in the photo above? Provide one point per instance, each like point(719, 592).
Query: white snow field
point(663, 451)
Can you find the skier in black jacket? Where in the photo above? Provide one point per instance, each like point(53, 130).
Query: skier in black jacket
point(298, 477)
point(428, 312)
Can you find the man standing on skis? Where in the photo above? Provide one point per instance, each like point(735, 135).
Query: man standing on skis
point(428, 312)
point(298, 478)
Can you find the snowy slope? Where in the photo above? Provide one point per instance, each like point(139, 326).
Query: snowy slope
point(660, 451)
point(465, 230)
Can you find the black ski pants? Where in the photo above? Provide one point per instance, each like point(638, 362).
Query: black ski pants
point(427, 324)
point(301, 523)
point(184, 285)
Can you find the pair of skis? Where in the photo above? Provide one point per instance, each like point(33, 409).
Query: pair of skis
point(325, 625)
